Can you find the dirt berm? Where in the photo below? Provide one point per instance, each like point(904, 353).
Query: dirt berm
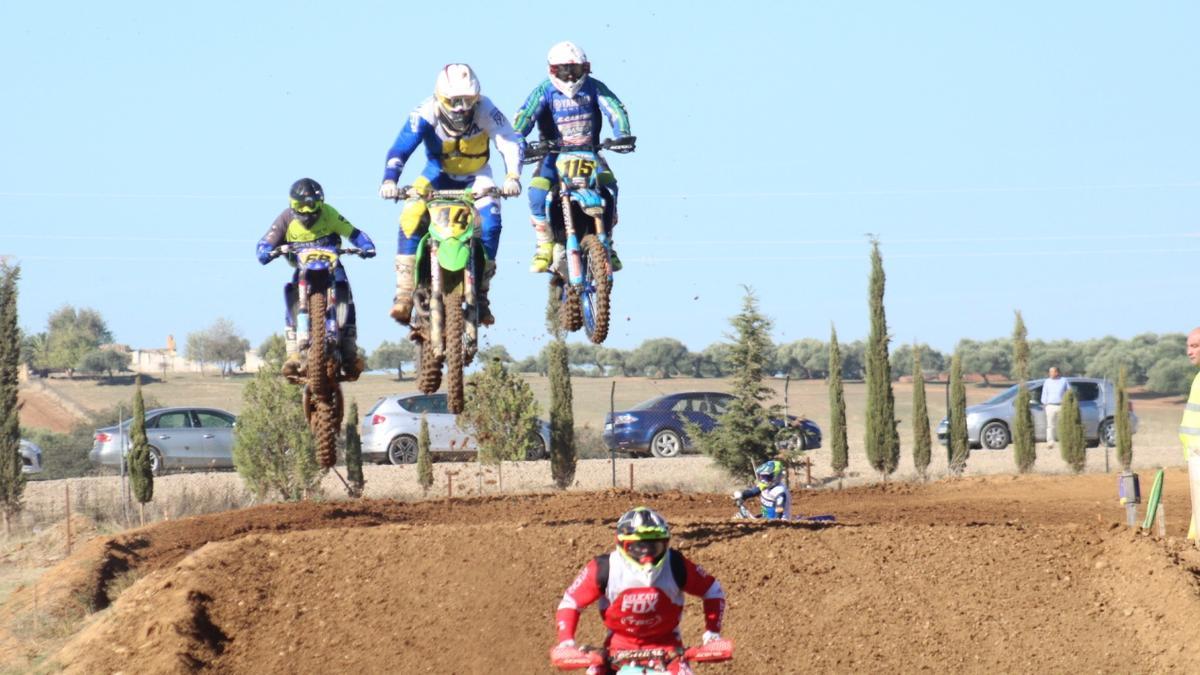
point(978, 575)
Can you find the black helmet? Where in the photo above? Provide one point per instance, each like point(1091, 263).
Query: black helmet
point(307, 198)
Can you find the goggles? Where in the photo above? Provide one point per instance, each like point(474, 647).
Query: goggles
point(646, 550)
point(569, 72)
point(459, 103)
point(306, 207)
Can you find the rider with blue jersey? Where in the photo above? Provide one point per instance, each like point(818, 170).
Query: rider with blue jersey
point(566, 107)
point(771, 491)
point(455, 126)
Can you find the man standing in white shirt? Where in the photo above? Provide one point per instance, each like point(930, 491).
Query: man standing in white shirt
point(1053, 390)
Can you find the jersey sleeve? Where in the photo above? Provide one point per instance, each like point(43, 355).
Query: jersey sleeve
point(509, 143)
point(526, 117)
point(274, 237)
point(582, 592)
point(702, 584)
point(613, 109)
point(406, 144)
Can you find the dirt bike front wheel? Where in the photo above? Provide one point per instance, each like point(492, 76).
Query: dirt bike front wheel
point(322, 383)
point(597, 289)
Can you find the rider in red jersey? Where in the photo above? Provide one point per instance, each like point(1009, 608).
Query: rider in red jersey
point(641, 587)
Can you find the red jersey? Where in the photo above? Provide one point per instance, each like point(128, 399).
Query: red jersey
point(641, 608)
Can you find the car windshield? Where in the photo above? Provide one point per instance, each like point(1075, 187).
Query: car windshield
point(647, 405)
point(1002, 396)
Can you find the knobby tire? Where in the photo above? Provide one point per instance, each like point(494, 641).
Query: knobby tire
point(455, 347)
point(596, 260)
point(322, 384)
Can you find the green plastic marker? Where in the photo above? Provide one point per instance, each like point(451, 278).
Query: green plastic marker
point(1155, 498)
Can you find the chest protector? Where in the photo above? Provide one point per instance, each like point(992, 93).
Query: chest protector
point(465, 154)
point(643, 604)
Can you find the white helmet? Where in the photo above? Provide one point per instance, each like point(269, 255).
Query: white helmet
point(569, 68)
point(457, 92)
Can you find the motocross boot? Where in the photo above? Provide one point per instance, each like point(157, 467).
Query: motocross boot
point(291, 365)
point(485, 285)
point(544, 254)
point(352, 362)
point(402, 304)
point(612, 258)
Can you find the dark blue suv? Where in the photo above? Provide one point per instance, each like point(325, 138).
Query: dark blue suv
point(656, 426)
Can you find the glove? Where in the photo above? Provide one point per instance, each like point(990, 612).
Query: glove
point(389, 190)
point(368, 252)
point(512, 186)
point(737, 494)
point(709, 636)
point(624, 144)
point(264, 252)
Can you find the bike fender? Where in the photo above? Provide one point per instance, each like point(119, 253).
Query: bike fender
point(588, 199)
point(419, 257)
point(452, 255)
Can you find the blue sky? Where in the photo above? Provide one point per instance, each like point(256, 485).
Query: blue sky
point(1018, 155)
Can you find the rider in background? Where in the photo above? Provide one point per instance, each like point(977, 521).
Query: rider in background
point(309, 219)
point(772, 492)
point(641, 587)
point(455, 125)
point(566, 107)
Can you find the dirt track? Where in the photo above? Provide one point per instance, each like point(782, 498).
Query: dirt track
point(978, 575)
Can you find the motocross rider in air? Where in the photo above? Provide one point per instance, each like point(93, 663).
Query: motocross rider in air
point(455, 126)
point(641, 587)
point(309, 219)
point(566, 107)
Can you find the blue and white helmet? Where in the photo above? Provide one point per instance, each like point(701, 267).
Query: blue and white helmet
point(769, 474)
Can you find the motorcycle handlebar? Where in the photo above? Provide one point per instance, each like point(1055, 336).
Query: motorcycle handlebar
point(409, 192)
point(537, 150)
point(288, 248)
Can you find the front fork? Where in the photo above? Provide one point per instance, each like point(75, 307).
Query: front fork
point(332, 334)
point(574, 257)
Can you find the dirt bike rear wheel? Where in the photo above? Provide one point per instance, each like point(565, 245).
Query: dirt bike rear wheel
point(594, 305)
point(455, 348)
point(570, 312)
point(429, 366)
point(322, 381)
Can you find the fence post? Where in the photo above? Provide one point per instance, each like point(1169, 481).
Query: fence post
point(631, 476)
point(67, 486)
point(450, 485)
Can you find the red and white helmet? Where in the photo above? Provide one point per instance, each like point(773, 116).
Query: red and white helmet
point(569, 68)
point(457, 92)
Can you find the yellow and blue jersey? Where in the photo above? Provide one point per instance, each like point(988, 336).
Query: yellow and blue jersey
point(455, 156)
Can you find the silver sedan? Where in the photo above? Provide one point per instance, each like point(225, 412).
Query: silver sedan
point(391, 426)
point(191, 438)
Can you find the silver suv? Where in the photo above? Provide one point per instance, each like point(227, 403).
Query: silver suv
point(391, 426)
point(989, 423)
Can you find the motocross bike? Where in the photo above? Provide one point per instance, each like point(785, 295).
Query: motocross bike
point(449, 262)
point(743, 512)
point(319, 321)
point(580, 212)
point(641, 661)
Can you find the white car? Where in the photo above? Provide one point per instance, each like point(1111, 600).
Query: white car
point(390, 429)
point(31, 457)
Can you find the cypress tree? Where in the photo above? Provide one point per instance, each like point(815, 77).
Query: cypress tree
point(12, 480)
point(839, 444)
point(354, 469)
point(562, 417)
point(1070, 433)
point(922, 442)
point(424, 459)
point(141, 475)
point(882, 438)
point(958, 448)
point(1124, 435)
point(1024, 446)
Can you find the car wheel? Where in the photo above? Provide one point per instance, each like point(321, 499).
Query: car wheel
point(994, 436)
point(157, 467)
point(1108, 433)
point(666, 443)
point(402, 450)
point(537, 448)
